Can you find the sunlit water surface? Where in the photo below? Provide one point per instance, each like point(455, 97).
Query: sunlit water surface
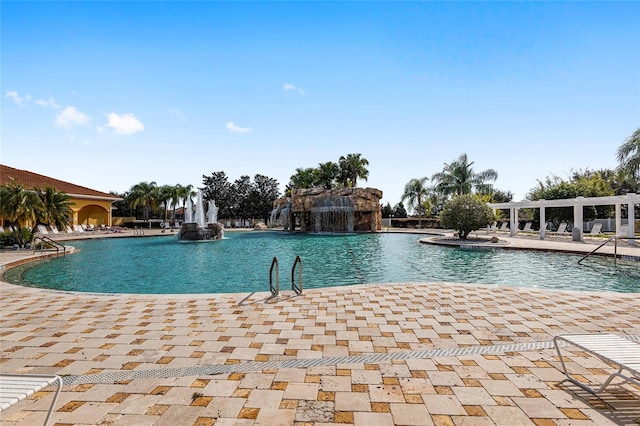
point(241, 263)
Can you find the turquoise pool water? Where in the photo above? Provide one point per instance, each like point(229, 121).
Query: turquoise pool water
point(241, 263)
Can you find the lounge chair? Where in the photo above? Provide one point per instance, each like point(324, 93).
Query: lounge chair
point(503, 227)
point(611, 348)
point(527, 227)
point(16, 387)
point(78, 229)
point(623, 231)
point(54, 229)
point(43, 229)
point(69, 230)
point(562, 230)
point(595, 230)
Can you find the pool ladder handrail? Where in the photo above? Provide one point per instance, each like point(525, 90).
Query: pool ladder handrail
point(615, 247)
point(56, 245)
point(275, 289)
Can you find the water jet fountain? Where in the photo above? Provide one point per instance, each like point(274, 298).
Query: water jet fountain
point(195, 228)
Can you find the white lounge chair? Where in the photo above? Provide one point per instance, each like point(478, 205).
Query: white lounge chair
point(623, 231)
point(613, 349)
point(78, 229)
point(562, 230)
point(595, 230)
point(43, 229)
point(504, 226)
point(54, 229)
point(69, 230)
point(16, 387)
point(527, 227)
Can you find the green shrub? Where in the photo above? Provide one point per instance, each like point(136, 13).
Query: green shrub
point(465, 213)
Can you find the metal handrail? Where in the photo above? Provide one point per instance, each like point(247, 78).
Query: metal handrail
point(615, 247)
point(296, 288)
point(274, 290)
point(54, 243)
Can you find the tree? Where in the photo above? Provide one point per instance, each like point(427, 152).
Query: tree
point(218, 188)
point(174, 194)
point(465, 213)
point(416, 192)
point(19, 206)
point(144, 194)
point(629, 154)
point(242, 192)
point(459, 178)
point(56, 208)
point(304, 178)
point(386, 211)
point(165, 194)
point(263, 193)
point(352, 168)
point(399, 210)
point(327, 173)
point(185, 193)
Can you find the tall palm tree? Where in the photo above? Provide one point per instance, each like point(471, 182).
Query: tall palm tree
point(145, 194)
point(56, 208)
point(327, 174)
point(175, 199)
point(19, 206)
point(165, 193)
point(459, 178)
point(186, 193)
point(416, 193)
point(352, 168)
point(629, 154)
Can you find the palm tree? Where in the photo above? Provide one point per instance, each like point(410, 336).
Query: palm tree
point(629, 154)
point(145, 194)
point(186, 193)
point(352, 168)
point(175, 199)
point(19, 206)
point(56, 208)
point(165, 192)
point(416, 193)
point(327, 174)
point(304, 178)
point(458, 178)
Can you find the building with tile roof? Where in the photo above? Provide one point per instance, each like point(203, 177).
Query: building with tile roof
point(89, 206)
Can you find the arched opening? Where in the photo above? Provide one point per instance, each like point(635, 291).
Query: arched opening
point(93, 215)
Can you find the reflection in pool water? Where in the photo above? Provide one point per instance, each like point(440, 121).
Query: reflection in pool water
point(241, 262)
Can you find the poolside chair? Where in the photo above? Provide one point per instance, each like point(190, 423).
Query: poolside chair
point(16, 387)
point(43, 229)
point(78, 229)
point(504, 226)
point(623, 231)
point(1, 229)
point(595, 230)
point(54, 229)
point(611, 348)
point(562, 230)
point(527, 227)
point(69, 229)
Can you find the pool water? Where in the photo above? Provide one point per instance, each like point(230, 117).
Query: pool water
point(241, 263)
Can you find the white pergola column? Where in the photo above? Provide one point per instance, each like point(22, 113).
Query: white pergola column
point(578, 216)
point(618, 217)
point(631, 213)
point(513, 222)
point(543, 221)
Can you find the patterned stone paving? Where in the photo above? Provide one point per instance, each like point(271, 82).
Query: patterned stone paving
point(351, 355)
point(393, 354)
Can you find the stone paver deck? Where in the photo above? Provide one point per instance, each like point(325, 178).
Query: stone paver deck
point(392, 354)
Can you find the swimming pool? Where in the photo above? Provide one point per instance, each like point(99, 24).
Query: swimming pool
point(241, 263)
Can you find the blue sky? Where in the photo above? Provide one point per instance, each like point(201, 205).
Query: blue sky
point(109, 94)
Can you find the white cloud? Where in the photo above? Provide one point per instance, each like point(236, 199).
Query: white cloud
point(233, 127)
point(124, 124)
point(178, 114)
point(15, 97)
point(70, 117)
point(290, 87)
point(51, 103)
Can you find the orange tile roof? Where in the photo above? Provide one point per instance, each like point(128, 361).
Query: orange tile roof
point(33, 180)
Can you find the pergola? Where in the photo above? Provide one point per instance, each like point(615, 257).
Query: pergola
point(578, 208)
